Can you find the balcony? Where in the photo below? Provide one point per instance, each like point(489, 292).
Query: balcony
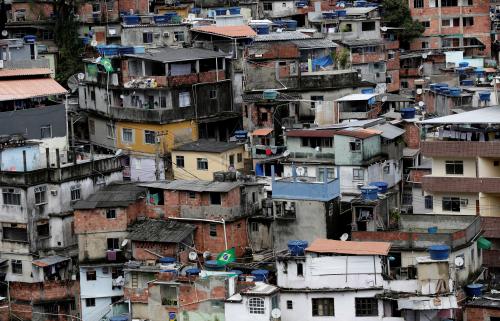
point(173, 81)
point(259, 151)
point(328, 79)
point(461, 184)
point(305, 188)
point(460, 149)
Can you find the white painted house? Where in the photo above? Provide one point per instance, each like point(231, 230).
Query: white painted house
point(253, 304)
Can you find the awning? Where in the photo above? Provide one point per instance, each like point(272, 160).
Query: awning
point(50, 260)
point(3, 263)
point(262, 132)
point(483, 243)
point(29, 88)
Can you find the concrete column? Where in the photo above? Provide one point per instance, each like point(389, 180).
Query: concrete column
point(143, 64)
point(197, 66)
point(24, 161)
point(47, 157)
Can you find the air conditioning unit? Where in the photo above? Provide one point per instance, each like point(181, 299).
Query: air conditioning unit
point(166, 34)
point(156, 35)
point(53, 192)
point(464, 202)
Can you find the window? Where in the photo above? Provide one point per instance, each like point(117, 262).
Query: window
point(267, 6)
point(96, 7)
point(467, 21)
point(239, 157)
point(314, 142)
point(11, 196)
point(263, 116)
point(91, 127)
point(17, 266)
point(40, 195)
point(110, 130)
point(470, 2)
point(323, 307)
point(370, 25)
point(445, 22)
point(192, 194)
point(46, 131)
point(127, 135)
point(111, 213)
point(451, 204)
point(92, 94)
point(366, 307)
point(256, 306)
point(202, 164)
point(231, 160)
point(91, 275)
point(75, 192)
point(404, 84)
point(391, 55)
point(149, 137)
point(168, 295)
point(283, 4)
point(387, 169)
point(147, 37)
point(428, 202)
point(215, 198)
point(15, 233)
point(315, 101)
point(358, 174)
point(43, 229)
point(254, 226)
point(426, 24)
point(418, 3)
point(425, 44)
point(212, 229)
point(163, 102)
point(454, 167)
point(347, 28)
point(179, 161)
point(355, 146)
point(330, 174)
point(289, 304)
point(300, 269)
point(449, 3)
point(113, 244)
point(184, 99)
point(212, 94)
point(90, 302)
point(179, 36)
point(496, 163)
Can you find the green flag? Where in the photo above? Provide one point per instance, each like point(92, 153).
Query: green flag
point(226, 257)
point(106, 63)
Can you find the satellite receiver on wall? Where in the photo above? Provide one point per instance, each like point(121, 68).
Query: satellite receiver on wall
point(459, 261)
point(300, 171)
point(276, 313)
point(344, 237)
point(192, 256)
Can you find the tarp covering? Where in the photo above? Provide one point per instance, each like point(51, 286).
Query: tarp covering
point(322, 62)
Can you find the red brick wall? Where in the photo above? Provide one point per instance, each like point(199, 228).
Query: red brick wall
point(480, 314)
point(164, 249)
point(411, 135)
point(48, 290)
point(276, 51)
point(237, 237)
point(136, 295)
point(21, 310)
point(174, 199)
point(34, 11)
point(394, 85)
point(139, 6)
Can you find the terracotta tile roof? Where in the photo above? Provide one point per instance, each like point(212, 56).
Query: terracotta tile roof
point(349, 247)
point(358, 133)
point(29, 88)
point(310, 133)
point(24, 72)
point(262, 132)
point(243, 31)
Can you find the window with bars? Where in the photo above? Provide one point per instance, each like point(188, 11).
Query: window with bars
point(267, 6)
point(179, 161)
point(323, 307)
point(127, 135)
point(91, 275)
point(366, 307)
point(358, 174)
point(40, 195)
point(90, 302)
point(75, 192)
point(428, 202)
point(454, 167)
point(202, 164)
point(17, 266)
point(418, 3)
point(149, 137)
point(11, 196)
point(256, 306)
point(111, 213)
point(213, 230)
point(451, 204)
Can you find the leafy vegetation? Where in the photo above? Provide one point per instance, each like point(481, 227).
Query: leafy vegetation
point(397, 14)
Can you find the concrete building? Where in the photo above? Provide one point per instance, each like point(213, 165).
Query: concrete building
point(253, 304)
point(203, 158)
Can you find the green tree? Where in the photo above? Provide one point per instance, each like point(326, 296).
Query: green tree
point(397, 14)
point(67, 39)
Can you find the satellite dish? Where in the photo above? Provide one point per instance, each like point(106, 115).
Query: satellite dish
point(98, 60)
point(344, 237)
point(318, 149)
point(73, 83)
point(424, 56)
point(301, 171)
point(192, 256)
point(125, 242)
point(459, 261)
point(421, 103)
point(93, 43)
point(5, 33)
point(80, 76)
point(419, 91)
point(384, 29)
point(207, 255)
point(118, 152)
point(276, 313)
point(384, 99)
point(286, 153)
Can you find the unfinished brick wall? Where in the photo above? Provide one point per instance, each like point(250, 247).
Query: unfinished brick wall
point(411, 135)
point(139, 250)
point(236, 233)
point(480, 314)
point(46, 291)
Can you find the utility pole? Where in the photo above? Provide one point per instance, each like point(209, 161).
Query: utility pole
point(158, 136)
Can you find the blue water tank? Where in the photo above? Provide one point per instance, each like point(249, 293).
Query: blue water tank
point(212, 265)
point(382, 186)
point(301, 4)
point(444, 90)
point(234, 10)
point(262, 29)
point(463, 64)
point(467, 82)
point(238, 273)
point(329, 15)
point(291, 25)
point(260, 275)
point(360, 3)
point(484, 95)
point(29, 38)
point(439, 252)
point(479, 70)
point(131, 20)
point(196, 10)
point(367, 91)
point(455, 91)
point(119, 318)
point(433, 86)
point(341, 13)
point(163, 18)
point(270, 94)
point(167, 260)
point(192, 271)
point(474, 289)
point(407, 113)
point(220, 11)
point(369, 193)
point(297, 247)
point(432, 229)
point(240, 134)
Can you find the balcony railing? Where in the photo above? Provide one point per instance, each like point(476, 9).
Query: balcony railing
point(174, 81)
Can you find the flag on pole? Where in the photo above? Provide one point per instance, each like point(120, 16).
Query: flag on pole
point(106, 63)
point(226, 257)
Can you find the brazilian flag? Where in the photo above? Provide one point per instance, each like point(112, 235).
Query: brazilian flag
point(226, 257)
point(106, 63)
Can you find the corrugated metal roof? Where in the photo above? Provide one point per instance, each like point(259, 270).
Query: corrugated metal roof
point(195, 185)
point(389, 131)
point(50, 260)
point(29, 88)
point(314, 43)
point(167, 54)
point(349, 247)
point(357, 97)
point(162, 231)
point(242, 31)
point(282, 36)
point(261, 288)
point(362, 42)
point(358, 133)
point(487, 115)
point(24, 72)
point(113, 195)
point(310, 133)
point(262, 132)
